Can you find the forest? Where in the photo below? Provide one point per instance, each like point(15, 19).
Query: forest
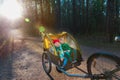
point(25, 54)
point(83, 17)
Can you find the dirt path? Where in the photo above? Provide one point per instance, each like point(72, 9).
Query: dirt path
point(25, 63)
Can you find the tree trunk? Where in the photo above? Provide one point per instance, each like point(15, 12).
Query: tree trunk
point(59, 13)
point(74, 17)
point(41, 7)
point(36, 11)
point(110, 19)
point(117, 16)
point(87, 26)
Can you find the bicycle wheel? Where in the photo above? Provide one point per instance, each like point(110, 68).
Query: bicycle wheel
point(105, 65)
point(46, 62)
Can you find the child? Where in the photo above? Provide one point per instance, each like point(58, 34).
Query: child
point(67, 49)
point(62, 53)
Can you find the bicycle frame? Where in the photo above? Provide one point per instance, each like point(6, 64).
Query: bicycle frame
point(95, 76)
point(86, 75)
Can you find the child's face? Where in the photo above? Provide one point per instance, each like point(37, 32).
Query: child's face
point(61, 40)
point(57, 44)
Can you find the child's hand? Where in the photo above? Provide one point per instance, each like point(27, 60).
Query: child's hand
point(62, 59)
point(67, 51)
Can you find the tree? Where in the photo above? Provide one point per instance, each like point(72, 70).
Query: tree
point(58, 9)
point(74, 16)
point(110, 19)
point(80, 16)
point(117, 24)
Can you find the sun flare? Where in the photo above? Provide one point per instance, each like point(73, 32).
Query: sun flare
point(11, 9)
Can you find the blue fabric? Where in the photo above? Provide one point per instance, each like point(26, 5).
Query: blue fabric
point(61, 52)
point(65, 62)
point(67, 55)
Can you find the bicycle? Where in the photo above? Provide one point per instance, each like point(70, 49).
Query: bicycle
point(100, 65)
